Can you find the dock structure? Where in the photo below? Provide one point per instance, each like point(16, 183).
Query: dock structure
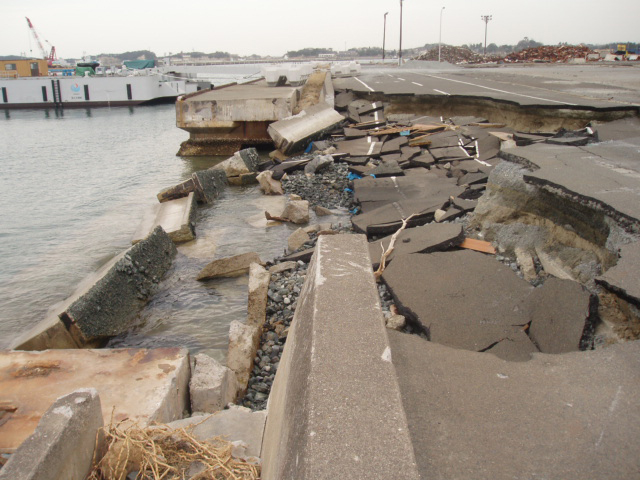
point(221, 122)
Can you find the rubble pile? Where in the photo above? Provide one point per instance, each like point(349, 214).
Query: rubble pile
point(455, 55)
point(549, 54)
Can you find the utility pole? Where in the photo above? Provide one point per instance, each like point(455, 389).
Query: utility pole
point(384, 34)
point(400, 49)
point(440, 39)
point(485, 19)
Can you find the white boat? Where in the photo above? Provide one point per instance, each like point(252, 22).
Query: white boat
point(93, 91)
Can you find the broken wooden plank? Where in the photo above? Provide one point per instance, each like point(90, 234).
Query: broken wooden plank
point(478, 246)
point(488, 125)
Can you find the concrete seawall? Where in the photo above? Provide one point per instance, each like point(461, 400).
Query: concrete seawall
point(335, 409)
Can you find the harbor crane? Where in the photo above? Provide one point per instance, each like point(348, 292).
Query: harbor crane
point(51, 56)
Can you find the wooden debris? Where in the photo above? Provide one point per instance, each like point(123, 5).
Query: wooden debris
point(420, 141)
point(488, 125)
point(478, 246)
point(385, 253)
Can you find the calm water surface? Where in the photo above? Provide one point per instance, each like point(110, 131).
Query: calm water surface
point(74, 188)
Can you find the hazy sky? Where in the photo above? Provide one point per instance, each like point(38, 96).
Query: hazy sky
point(275, 26)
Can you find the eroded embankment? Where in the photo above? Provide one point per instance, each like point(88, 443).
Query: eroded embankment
point(527, 118)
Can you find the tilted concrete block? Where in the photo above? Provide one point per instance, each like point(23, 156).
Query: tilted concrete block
point(259, 279)
point(212, 385)
point(176, 217)
point(107, 302)
point(294, 133)
point(62, 446)
point(243, 345)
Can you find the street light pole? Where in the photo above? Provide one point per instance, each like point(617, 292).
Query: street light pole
point(400, 49)
point(384, 34)
point(440, 39)
point(485, 19)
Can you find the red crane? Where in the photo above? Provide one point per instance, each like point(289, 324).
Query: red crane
point(48, 57)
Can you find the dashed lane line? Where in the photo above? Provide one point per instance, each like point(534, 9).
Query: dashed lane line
point(370, 89)
point(496, 89)
point(419, 84)
point(440, 91)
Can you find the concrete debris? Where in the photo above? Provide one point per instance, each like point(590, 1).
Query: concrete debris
point(297, 239)
point(63, 443)
point(236, 424)
point(362, 147)
point(268, 184)
point(424, 239)
point(623, 279)
point(472, 324)
point(396, 322)
point(293, 134)
point(296, 211)
point(212, 385)
point(229, 267)
point(243, 162)
point(550, 54)
point(559, 311)
point(107, 302)
point(318, 164)
point(176, 217)
point(135, 386)
point(243, 345)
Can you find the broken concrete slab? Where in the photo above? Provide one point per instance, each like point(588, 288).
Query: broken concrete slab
point(63, 444)
point(559, 312)
point(212, 385)
point(354, 133)
point(568, 141)
point(473, 178)
point(318, 164)
point(623, 129)
point(424, 239)
point(282, 267)
point(449, 154)
point(372, 193)
point(343, 99)
point(386, 219)
point(243, 345)
point(301, 256)
point(241, 163)
point(466, 120)
point(229, 266)
point(176, 217)
point(516, 347)
point(388, 168)
point(425, 160)
point(142, 385)
point(236, 424)
point(495, 408)
point(524, 139)
point(296, 211)
point(351, 361)
point(370, 108)
point(361, 147)
point(475, 303)
point(623, 278)
point(605, 175)
point(206, 184)
point(294, 133)
point(257, 301)
point(394, 145)
point(49, 334)
point(108, 301)
point(268, 184)
point(297, 239)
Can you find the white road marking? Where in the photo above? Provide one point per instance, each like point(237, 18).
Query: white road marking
point(390, 75)
point(401, 79)
point(419, 84)
point(370, 89)
point(441, 92)
point(373, 144)
point(496, 89)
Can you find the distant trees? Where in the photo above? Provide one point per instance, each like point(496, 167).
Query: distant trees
point(135, 55)
point(525, 43)
point(308, 52)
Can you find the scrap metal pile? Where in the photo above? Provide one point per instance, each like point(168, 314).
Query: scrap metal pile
point(455, 55)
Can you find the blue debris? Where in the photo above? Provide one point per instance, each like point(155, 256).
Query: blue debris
point(308, 149)
point(372, 175)
point(353, 176)
point(354, 211)
point(405, 133)
point(348, 190)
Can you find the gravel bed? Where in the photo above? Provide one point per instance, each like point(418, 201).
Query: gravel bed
point(326, 189)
